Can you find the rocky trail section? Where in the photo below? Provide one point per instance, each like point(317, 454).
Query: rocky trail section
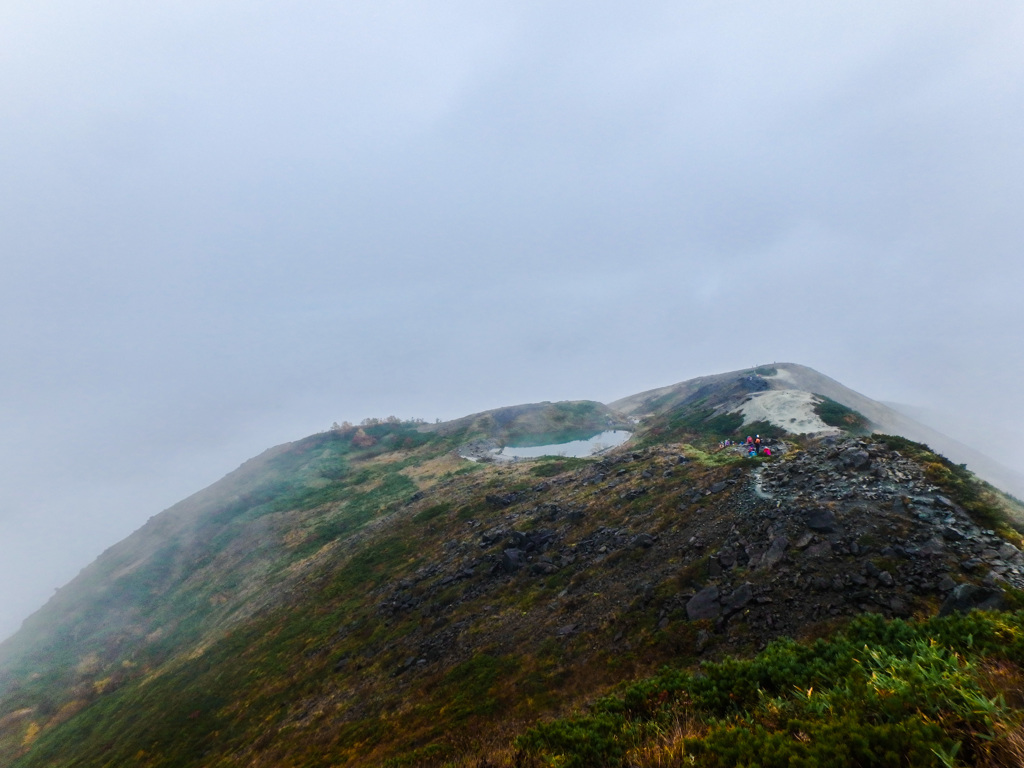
point(646, 542)
point(871, 531)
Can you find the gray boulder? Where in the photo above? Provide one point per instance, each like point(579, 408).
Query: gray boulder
point(854, 458)
point(513, 559)
point(642, 541)
point(775, 552)
point(738, 599)
point(969, 597)
point(821, 520)
point(704, 605)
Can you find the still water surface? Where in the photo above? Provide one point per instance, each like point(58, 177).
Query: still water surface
point(575, 448)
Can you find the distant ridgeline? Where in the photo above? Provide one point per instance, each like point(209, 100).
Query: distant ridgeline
point(367, 596)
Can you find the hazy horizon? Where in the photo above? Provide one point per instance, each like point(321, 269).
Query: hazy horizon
point(226, 226)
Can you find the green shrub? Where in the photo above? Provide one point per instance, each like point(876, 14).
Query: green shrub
point(840, 742)
point(764, 429)
point(883, 693)
point(594, 741)
point(838, 415)
point(690, 422)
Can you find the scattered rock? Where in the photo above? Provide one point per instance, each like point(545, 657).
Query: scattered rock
point(822, 520)
point(502, 499)
point(855, 458)
point(932, 548)
point(969, 597)
point(775, 552)
point(804, 540)
point(642, 541)
point(727, 558)
point(738, 599)
point(952, 534)
point(899, 606)
point(532, 541)
point(827, 531)
point(703, 638)
point(513, 559)
point(1007, 551)
point(821, 549)
point(633, 493)
point(704, 605)
point(492, 537)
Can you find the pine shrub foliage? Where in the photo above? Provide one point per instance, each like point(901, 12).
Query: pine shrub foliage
point(882, 693)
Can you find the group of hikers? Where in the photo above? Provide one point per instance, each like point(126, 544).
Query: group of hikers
point(753, 445)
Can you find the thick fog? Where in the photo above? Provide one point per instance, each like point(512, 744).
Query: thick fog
point(225, 225)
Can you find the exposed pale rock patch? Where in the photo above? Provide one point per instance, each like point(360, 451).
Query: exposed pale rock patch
point(790, 409)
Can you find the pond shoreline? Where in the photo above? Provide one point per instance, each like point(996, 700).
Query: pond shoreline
point(492, 450)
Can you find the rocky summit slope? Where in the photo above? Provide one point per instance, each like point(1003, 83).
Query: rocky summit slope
point(366, 596)
point(790, 397)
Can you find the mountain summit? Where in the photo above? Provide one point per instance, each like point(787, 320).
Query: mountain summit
point(410, 594)
point(795, 399)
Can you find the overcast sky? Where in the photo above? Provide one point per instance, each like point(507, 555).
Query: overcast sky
point(224, 225)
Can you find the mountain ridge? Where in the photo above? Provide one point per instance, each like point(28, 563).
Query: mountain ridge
point(885, 418)
point(369, 575)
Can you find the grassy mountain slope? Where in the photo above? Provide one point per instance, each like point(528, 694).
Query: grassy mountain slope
point(365, 597)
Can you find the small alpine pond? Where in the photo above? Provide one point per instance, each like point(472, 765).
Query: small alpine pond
point(574, 448)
